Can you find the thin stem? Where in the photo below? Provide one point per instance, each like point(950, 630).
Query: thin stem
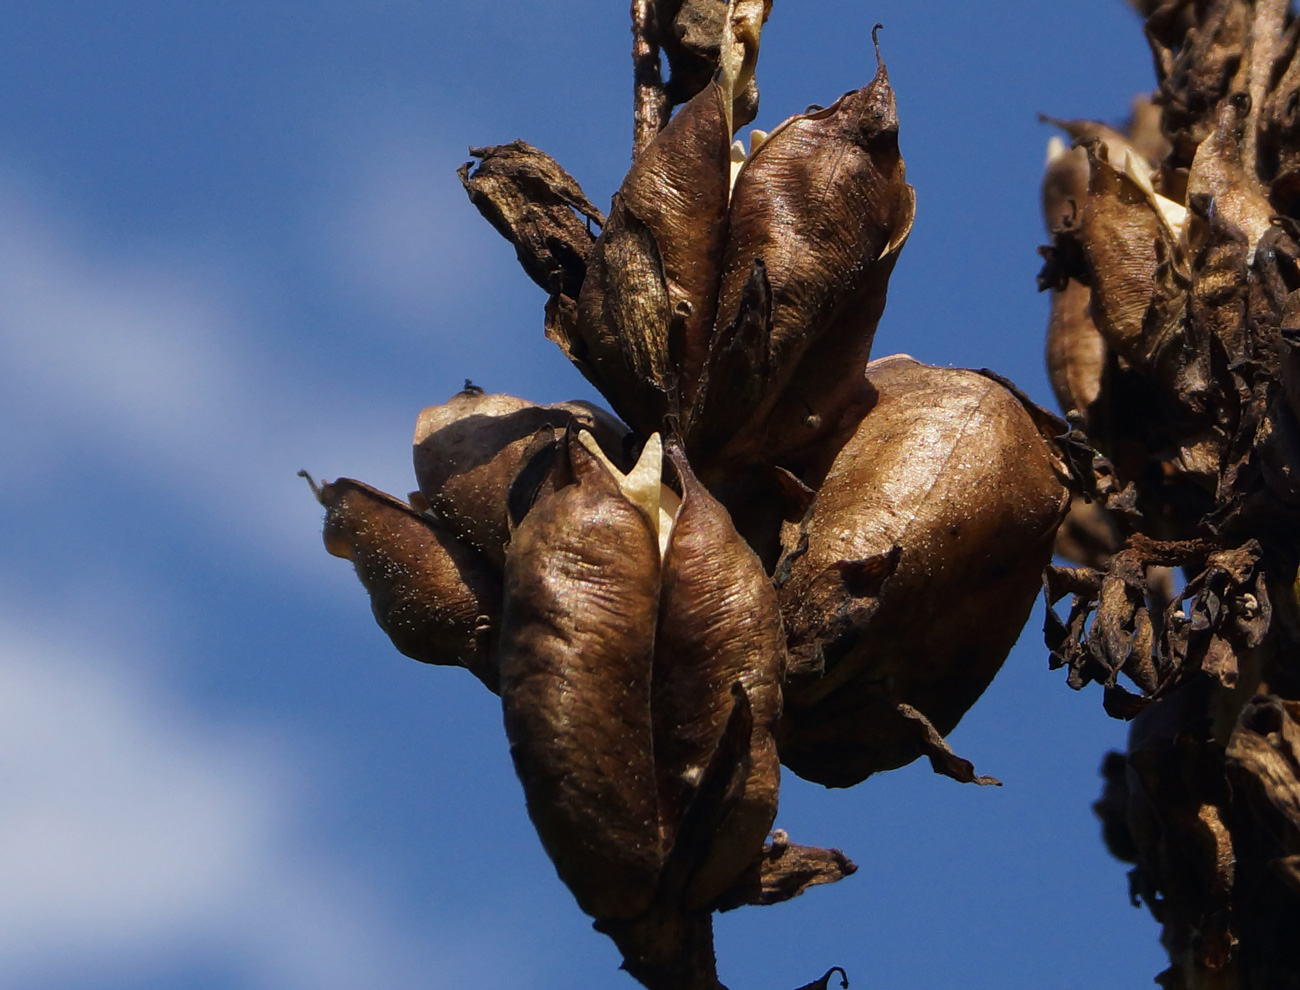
point(650, 103)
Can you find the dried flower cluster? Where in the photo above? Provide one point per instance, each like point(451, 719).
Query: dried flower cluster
point(777, 553)
point(1174, 270)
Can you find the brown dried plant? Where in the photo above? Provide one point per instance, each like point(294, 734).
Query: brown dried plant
point(774, 550)
point(1174, 268)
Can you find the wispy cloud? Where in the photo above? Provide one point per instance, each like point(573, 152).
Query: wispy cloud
point(151, 368)
point(135, 832)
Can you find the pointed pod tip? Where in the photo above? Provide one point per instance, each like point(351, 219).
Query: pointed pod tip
point(875, 40)
point(315, 488)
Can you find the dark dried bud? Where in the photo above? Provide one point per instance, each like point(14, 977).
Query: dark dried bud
point(1134, 241)
point(469, 451)
point(824, 204)
point(647, 306)
point(438, 600)
point(641, 653)
point(921, 563)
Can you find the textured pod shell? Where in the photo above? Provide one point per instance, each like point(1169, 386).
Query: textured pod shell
point(469, 450)
point(1138, 299)
point(825, 205)
point(646, 312)
point(719, 625)
point(1076, 351)
point(641, 653)
point(438, 600)
point(949, 468)
point(577, 636)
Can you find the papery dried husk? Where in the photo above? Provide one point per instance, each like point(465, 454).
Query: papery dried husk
point(535, 204)
point(949, 475)
point(1198, 50)
point(469, 450)
point(1217, 173)
point(577, 638)
point(647, 307)
point(1130, 237)
point(438, 599)
point(824, 203)
point(1076, 350)
point(719, 625)
point(690, 35)
point(1279, 126)
point(1221, 253)
point(1065, 185)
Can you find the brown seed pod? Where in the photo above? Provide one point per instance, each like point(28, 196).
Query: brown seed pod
point(719, 625)
point(646, 311)
point(948, 482)
point(438, 600)
point(1133, 243)
point(823, 202)
point(641, 659)
point(690, 34)
point(469, 450)
point(1076, 351)
point(1217, 173)
point(577, 641)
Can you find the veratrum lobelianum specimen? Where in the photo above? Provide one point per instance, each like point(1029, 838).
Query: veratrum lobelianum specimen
point(633, 591)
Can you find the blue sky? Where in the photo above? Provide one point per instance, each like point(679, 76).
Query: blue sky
point(233, 245)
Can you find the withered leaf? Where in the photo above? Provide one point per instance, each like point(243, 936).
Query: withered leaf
point(784, 871)
point(531, 201)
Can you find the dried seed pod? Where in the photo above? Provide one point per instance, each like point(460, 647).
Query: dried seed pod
point(948, 483)
point(1279, 137)
point(690, 34)
point(438, 600)
point(641, 659)
point(1076, 351)
point(1065, 184)
point(1217, 173)
point(1198, 51)
point(469, 450)
point(577, 642)
point(1132, 239)
point(824, 204)
point(646, 311)
point(719, 625)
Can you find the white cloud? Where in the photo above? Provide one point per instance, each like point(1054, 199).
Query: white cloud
point(134, 832)
point(150, 367)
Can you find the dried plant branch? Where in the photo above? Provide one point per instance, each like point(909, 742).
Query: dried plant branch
point(650, 107)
